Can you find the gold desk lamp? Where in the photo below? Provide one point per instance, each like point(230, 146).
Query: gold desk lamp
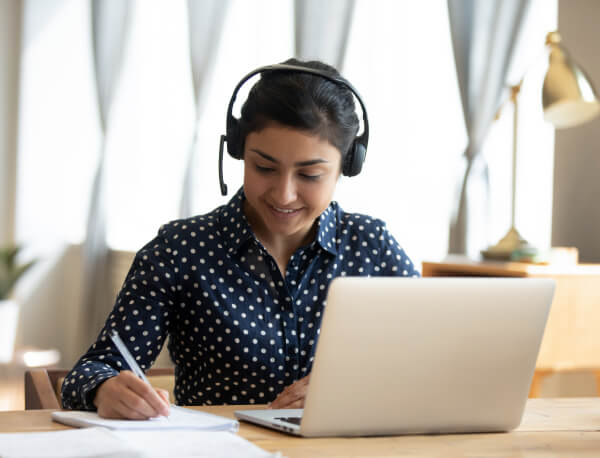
point(568, 99)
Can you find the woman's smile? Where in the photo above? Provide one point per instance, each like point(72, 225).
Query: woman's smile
point(283, 212)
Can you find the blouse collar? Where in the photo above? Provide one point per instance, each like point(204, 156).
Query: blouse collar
point(236, 230)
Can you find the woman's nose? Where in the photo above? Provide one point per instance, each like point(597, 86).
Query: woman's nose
point(285, 190)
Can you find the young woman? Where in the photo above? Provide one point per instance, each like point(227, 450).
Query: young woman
point(241, 290)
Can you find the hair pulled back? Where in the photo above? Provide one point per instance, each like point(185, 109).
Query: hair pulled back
point(302, 101)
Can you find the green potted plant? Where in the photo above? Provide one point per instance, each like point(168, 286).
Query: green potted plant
point(10, 272)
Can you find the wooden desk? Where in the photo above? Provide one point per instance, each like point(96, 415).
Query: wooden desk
point(551, 428)
point(572, 338)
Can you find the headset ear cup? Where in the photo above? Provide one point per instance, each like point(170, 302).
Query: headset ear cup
point(355, 159)
point(234, 143)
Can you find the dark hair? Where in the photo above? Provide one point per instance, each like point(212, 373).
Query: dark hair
point(302, 101)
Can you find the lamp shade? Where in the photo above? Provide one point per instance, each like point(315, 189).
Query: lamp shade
point(568, 97)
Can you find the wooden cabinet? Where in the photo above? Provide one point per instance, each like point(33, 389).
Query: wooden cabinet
point(572, 338)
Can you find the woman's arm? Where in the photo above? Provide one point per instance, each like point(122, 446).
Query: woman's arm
point(141, 316)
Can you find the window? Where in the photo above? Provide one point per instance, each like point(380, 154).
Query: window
point(399, 57)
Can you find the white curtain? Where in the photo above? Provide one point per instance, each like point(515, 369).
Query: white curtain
point(206, 20)
point(484, 34)
point(110, 21)
point(10, 57)
point(322, 29)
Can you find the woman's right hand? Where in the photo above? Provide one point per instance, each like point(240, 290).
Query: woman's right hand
point(127, 396)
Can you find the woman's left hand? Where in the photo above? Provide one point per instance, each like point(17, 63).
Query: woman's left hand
point(292, 397)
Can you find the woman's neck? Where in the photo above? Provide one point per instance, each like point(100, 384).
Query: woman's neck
point(280, 247)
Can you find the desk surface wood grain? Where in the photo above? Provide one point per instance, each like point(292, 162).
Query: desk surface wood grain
point(568, 427)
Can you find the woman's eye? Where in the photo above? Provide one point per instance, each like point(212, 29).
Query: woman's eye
point(264, 169)
point(310, 177)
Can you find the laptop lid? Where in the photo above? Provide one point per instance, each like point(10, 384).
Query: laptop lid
point(430, 355)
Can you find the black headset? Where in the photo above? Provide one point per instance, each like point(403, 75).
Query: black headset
point(356, 153)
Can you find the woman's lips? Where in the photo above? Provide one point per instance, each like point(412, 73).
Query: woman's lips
point(285, 213)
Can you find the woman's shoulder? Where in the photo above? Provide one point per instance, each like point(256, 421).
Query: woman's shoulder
point(194, 225)
point(207, 224)
point(368, 248)
point(357, 222)
point(359, 231)
point(181, 235)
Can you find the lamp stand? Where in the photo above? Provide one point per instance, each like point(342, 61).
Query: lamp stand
point(512, 245)
point(568, 99)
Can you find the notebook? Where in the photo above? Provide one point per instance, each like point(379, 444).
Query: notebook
point(420, 356)
point(179, 418)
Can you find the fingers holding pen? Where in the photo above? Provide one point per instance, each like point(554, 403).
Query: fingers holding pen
point(144, 399)
point(127, 396)
point(164, 394)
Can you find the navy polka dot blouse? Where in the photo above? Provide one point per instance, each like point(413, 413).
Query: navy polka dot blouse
point(239, 331)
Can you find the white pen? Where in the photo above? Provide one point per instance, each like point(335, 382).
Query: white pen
point(137, 370)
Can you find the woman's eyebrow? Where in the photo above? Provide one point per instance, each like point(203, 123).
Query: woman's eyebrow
point(297, 164)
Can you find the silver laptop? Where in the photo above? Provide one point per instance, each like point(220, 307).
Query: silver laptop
point(420, 356)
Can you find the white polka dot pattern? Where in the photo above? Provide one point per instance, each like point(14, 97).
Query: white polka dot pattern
point(239, 331)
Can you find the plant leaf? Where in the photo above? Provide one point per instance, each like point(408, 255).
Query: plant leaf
point(9, 271)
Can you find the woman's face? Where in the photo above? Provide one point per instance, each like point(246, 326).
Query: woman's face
point(289, 180)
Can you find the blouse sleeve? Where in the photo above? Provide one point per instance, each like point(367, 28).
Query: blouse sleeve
point(394, 262)
point(141, 316)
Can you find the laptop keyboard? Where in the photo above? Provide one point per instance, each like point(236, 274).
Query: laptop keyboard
point(292, 420)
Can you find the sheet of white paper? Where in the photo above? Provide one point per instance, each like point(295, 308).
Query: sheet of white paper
point(193, 443)
point(179, 418)
point(85, 443)
point(104, 443)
